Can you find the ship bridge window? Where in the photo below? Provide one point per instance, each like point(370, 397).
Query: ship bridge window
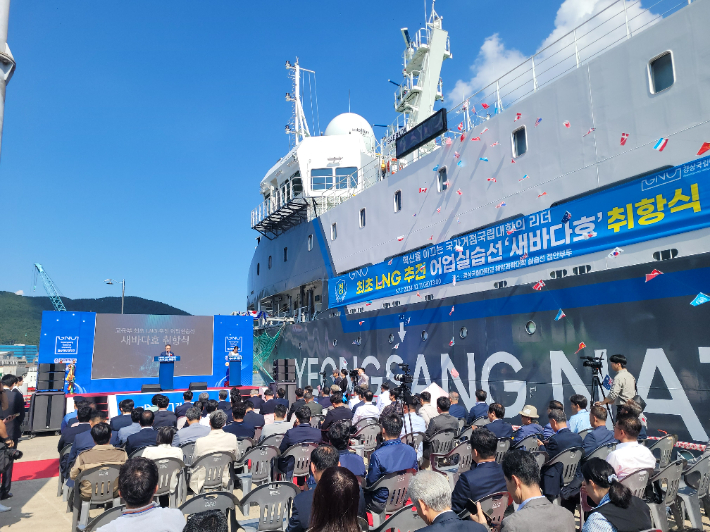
point(342, 175)
point(296, 184)
point(362, 218)
point(661, 74)
point(310, 242)
point(328, 178)
point(398, 201)
point(334, 231)
point(321, 178)
point(442, 183)
point(520, 142)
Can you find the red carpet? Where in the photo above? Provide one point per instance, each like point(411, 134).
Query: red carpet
point(35, 469)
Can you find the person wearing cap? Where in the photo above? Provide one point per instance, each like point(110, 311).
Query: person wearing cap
point(529, 425)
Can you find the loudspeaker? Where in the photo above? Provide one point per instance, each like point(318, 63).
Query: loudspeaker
point(150, 388)
point(284, 369)
point(290, 388)
point(45, 368)
point(198, 386)
point(46, 411)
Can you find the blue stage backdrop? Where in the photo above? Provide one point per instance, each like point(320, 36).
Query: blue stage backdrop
point(114, 352)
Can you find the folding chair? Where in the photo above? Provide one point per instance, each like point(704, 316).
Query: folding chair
point(528, 443)
point(104, 518)
point(413, 438)
point(243, 445)
point(397, 485)
point(583, 433)
point(481, 421)
point(502, 448)
point(465, 434)
point(261, 459)
point(696, 480)
point(460, 458)
point(663, 450)
point(102, 481)
point(217, 500)
point(367, 436)
point(274, 501)
point(541, 457)
point(363, 524)
point(214, 465)
point(404, 520)
point(570, 461)
point(257, 433)
point(316, 420)
point(365, 422)
point(63, 479)
point(301, 453)
point(462, 423)
point(637, 481)
point(167, 469)
point(442, 441)
point(181, 422)
point(273, 440)
point(600, 452)
point(670, 475)
point(494, 506)
point(188, 450)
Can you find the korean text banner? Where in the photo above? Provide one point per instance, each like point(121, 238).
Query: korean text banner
point(658, 205)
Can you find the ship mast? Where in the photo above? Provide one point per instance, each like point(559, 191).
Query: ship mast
point(7, 62)
point(298, 127)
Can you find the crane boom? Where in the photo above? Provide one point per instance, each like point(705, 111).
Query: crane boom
point(49, 287)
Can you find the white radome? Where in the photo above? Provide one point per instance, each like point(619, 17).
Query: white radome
point(352, 124)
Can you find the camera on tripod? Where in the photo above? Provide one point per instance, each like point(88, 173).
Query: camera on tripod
point(405, 377)
point(592, 362)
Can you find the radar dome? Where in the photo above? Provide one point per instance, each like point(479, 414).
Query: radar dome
point(352, 124)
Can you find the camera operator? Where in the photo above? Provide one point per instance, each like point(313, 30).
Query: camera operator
point(624, 387)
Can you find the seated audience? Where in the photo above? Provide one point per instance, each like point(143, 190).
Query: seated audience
point(384, 398)
point(324, 399)
point(485, 477)
point(617, 509)
point(85, 441)
point(339, 437)
point(547, 429)
point(392, 456)
point(281, 397)
point(164, 417)
point(322, 458)
point(443, 421)
point(579, 420)
point(83, 417)
point(496, 413)
point(358, 399)
point(238, 427)
point(599, 435)
point(164, 449)
point(413, 422)
point(181, 410)
point(216, 441)
point(336, 502)
point(456, 410)
point(337, 413)
point(210, 407)
point(102, 453)
point(235, 396)
point(137, 484)
point(529, 425)
point(315, 408)
point(301, 432)
point(279, 426)
point(562, 440)
point(202, 399)
point(145, 437)
point(298, 403)
point(629, 455)
point(71, 417)
point(394, 406)
point(251, 417)
point(118, 422)
point(192, 430)
point(480, 409)
point(256, 401)
point(154, 404)
point(430, 493)
point(224, 405)
point(367, 409)
point(134, 427)
point(269, 403)
point(632, 407)
point(427, 411)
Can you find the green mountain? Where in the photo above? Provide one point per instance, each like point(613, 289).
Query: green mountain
point(21, 316)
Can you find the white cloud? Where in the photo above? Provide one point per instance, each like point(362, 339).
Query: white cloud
point(494, 60)
point(20, 293)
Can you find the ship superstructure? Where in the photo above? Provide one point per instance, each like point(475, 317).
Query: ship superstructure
point(617, 106)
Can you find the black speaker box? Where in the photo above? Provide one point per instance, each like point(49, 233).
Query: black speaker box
point(290, 388)
point(150, 388)
point(285, 363)
point(46, 411)
point(44, 368)
point(198, 386)
point(51, 384)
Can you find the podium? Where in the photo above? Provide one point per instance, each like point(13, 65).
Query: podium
point(235, 370)
point(166, 371)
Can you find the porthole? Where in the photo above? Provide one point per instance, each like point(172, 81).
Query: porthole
point(581, 270)
point(395, 303)
point(398, 201)
point(333, 231)
point(391, 338)
point(558, 274)
point(661, 73)
point(428, 297)
point(520, 142)
point(385, 305)
point(665, 254)
point(530, 327)
point(310, 242)
point(335, 343)
point(463, 333)
point(362, 218)
point(285, 254)
point(425, 336)
point(269, 261)
point(500, 284)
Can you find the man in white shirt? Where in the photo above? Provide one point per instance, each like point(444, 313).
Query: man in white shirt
point(384, 398)
point(629, 455)
point(363, 380)
point(216, 440)
point(427, 411)
point(579, 420)
point(279, 426)
point(366, 410)
point(412, 422)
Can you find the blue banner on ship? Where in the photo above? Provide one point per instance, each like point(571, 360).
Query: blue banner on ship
point(658, 205)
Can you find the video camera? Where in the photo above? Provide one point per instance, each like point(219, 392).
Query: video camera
point(592, 362)
point(405, 377)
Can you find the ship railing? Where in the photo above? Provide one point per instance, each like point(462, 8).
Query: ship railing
point(278, 200)
point(617, 22)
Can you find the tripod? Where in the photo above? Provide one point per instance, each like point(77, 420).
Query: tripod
point(598, 389)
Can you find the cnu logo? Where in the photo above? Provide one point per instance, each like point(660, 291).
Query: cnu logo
point(362, 272)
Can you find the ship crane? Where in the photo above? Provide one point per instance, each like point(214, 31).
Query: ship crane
point(49, 286)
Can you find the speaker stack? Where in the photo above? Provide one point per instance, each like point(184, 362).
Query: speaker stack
point(285, 376)
point(50, 377)
point(48, 402)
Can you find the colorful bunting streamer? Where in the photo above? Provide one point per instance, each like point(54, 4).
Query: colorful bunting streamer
point(436, 168)
point(460, 128)
point(566, 124)
point(501, 204)
point(615, 253)
point(539, 285)
point(560, 315)
point(485, 105)
point(496, 143)
point(517, 117)
point(655, 273)
point(566, 217)
point(700, 299)
point(452, 311)
point(484, 159)
point(459, 192)
point(400, 238)
point(476, 138)
point(541, 195)
point(705, 147)
point(624, 138)
point(524, 177)
point(423, 189)
point(493, 179)
point(538, 121)
point(660, 144)
point(451, 342)
point(582, 345)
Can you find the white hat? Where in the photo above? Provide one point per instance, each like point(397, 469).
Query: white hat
point(529, 411)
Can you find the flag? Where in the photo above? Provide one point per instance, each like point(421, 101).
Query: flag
point(446, 183)
point(607, 382)
point(448, 141)
point(354, 342)
point(390, 262)
point(589, 131)
point(459, 192)
point(396, 346)
point(524, 177)
point(458, 249)
point(452, 311)
point(517, 117)
point(454, 373)
point(457, 154)
point(485, 105)
point(460, 128)
point(476, 138)
point(496, 143)
point(615, 253)
point(422, 189)
point(368, 303)
point(660, 144)
point(438, 209)
point(484, 130)
point(512, 161)
point(624, 138)
point(655, 273)
point(541, 195)
point(400, 238)
point(454, 279)
point(473, 108)
point(415, 214)
point(525, 256)
point(705, 147)
point(408, 319)
point(484, 159)
point(539, 285)
point(463, 137)
point(501, 204)
point(582, 345)
point(566, 217)
point(361, 322)
point(538, 121)
point(451, 342)
point(493, 179)
point(431, 237)
point(510, 231)
point(566, 124)
point(560, 315)
point(589, 235)
point(460, 163)
point(458, 220)
point(418, 294)
point(700, 299)
point(436, 168)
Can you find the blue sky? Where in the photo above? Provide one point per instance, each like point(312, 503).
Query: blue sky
point(136, 132)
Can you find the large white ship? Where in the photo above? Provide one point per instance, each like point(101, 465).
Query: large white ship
point(562, 210)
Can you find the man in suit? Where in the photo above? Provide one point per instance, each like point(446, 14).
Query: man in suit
point(529, 425)
point(16, 408)
point(146, 437)
point(338, 412)
point(281, 398)
point(118, 422)
point(255, 399)
point(441, 422)
point(456, 410)
point(181, 410)
point(238, 427)
point(324, 399)
point(562, 440)
point(134, 427)
point(298, 403)
point(164, 417)
point(339, 437)
point(431, 494)
point(547, 431)
point(322, 458)
point(535, 512)
point(192, 430)
point(269, 403)
point(251, 417)
point(301, 433)
point(359, 401)
point(70, 417)
point(216, 440)
point(315, 408)
point(480, 409)
point(485, 478)
point(17, 404)
point(224, 404)
point(496, 413)
point(83, 416)
point(599, 435)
